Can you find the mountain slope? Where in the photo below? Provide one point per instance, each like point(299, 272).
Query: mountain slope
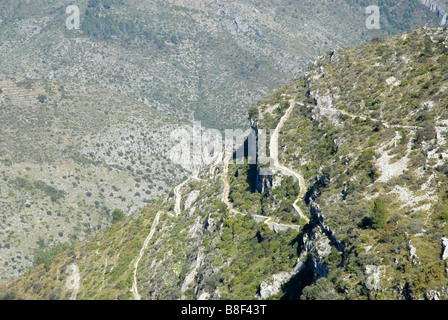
point(79, 108)
point(70, 155)
point(204, 58)
point(366, 129)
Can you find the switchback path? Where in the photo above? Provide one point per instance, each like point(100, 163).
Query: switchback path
point(134, 289)
point(384, 124)
point(178, 195)
point(273, 149)
point(73, 280)
point(274, 225)
point(226, 156)
point(225, 179)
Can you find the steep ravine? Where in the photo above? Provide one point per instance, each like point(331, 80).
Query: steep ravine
point(317, 241)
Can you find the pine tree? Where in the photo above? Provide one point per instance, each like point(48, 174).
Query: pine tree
point(379, 214)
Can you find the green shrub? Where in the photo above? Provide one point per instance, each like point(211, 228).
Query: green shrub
point(320, 290)
point(443, 216)
point(379, 214)
point(117, 215)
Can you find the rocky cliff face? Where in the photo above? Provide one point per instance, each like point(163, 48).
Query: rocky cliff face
point(316, 242)
point(437, 7)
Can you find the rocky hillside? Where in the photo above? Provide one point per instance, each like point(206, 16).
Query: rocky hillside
point(71, 154)
point(85, 115)
point(207, 58)
point(354, 204)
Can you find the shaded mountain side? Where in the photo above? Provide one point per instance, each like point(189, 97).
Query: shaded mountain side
point(361, 153)
point(440, 7)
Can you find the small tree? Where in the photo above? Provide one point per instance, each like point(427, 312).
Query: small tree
point(379, 214)
point(221, 206)
point(426, 133)
point(41, 98)
point(117, 215)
